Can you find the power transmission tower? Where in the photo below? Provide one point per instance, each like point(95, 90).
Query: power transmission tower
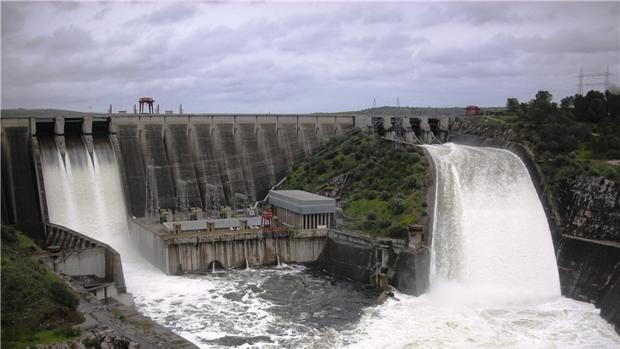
point(597, 82)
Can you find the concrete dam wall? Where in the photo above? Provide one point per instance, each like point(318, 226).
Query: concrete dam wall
point(167, 162)
point(201, 161)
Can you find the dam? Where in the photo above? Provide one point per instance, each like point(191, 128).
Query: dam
point(508, 290)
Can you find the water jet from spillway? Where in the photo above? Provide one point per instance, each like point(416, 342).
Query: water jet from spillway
point(491, 240)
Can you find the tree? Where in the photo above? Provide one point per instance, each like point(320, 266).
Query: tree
point(397, 205)
point(541, 107)
point(613, 103)
point(567, 103)
point(512, 105)
point(597, 110)
point(544, 96)
point(580, 107)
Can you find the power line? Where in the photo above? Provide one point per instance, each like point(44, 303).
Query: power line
point(604, 83)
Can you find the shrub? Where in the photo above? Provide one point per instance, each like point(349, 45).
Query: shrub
point(397, 205)
point(397, 231)
point(63, 296)
point(370, 194)
point(368, 225)
point(384, 223)
point(371, 216)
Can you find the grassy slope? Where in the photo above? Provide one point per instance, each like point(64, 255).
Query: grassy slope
point(386, 186)
point(37, 308)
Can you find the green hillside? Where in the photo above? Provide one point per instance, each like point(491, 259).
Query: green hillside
point(381, 186)
point(37, 308)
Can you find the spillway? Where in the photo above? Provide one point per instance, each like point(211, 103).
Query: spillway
point(490, 230)
point(494, 279)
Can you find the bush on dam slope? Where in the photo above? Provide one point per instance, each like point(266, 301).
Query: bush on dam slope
point(380, 187)
point(37, 308)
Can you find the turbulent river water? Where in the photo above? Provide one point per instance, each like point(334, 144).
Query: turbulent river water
point(494, 279)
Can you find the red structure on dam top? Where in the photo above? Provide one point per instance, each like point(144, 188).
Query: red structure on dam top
point(148, 101)
point(266, 219)
point(472, 110)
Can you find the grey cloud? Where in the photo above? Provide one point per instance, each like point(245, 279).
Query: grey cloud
point(64, 6)
point(387, 15)
point(12, 18)
point(173, 13)
point(105, 9)
point(504, 46)
point(260, 57)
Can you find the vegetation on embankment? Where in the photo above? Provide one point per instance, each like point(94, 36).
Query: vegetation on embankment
point(580, 136)
point(381, 187)
point(37, 308)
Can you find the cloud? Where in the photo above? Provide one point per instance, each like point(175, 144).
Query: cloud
point(287, 57)
point(13, 19)
point(169, 14)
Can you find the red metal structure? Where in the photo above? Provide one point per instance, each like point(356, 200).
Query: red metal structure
point(148, 101)
point(472, 110)
point(266, 218)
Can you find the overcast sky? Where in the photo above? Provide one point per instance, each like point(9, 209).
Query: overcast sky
point(289, 57)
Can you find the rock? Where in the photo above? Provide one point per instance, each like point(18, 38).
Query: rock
point(590, 207)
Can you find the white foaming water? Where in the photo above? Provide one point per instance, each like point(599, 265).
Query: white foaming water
point(88, 198)
point(490, 231)
point(494, 280)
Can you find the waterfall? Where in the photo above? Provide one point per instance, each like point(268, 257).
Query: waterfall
point(490, 234)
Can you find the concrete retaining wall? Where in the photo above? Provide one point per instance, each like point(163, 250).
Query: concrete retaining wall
point(89, 261)
point(150, 244)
